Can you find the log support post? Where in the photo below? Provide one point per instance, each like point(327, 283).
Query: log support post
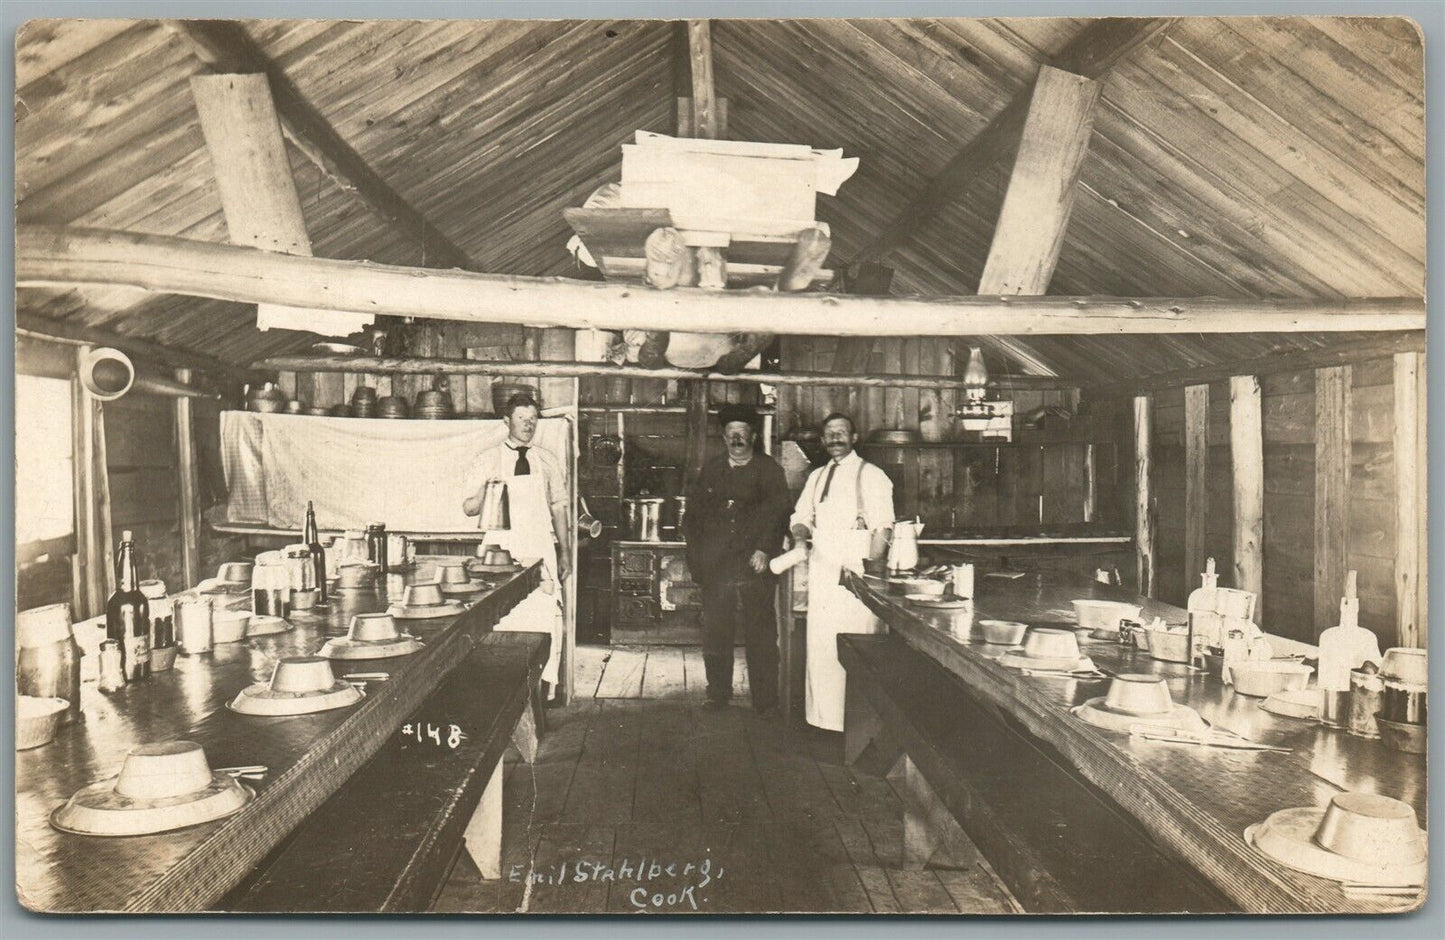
point(1411, 529)
point(1246, 449)
point(90, 562)
point(1143, 495)
point(1196, 479)
point(190, 509)
point(1332, 491)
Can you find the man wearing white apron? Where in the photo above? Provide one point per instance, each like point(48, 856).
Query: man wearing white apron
point(537, 501)
point(846, 510)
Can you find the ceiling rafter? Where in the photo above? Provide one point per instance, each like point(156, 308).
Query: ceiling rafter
point(226, 47)
point(1091, 53)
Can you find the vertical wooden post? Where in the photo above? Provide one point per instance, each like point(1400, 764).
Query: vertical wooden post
point(1332, 490)
point(102, 513)
point(1246, 449)
point(190, 508)
point(704, 100)
point(1410, 505)
point(90, 567)
point(1143, 497)
point(1196, 475)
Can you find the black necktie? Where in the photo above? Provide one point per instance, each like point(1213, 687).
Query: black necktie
point(828, 480)
point(523, 468)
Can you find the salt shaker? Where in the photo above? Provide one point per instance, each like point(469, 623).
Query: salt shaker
point(112, 669)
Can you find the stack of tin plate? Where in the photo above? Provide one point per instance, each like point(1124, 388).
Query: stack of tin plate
point(434, 404)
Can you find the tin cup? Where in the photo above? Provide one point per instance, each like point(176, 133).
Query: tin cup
point(1367, 692)
point(193, 624)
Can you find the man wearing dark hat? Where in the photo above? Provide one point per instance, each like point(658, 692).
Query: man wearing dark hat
point(736, 511)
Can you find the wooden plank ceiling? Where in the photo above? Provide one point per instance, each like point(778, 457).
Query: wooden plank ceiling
point(1230, 157)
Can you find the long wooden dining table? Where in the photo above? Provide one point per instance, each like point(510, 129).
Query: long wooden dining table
point(1193, 801)
point(308, 757)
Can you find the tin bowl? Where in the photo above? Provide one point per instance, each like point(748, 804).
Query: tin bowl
point(163, 658)
point(302, 674)
point(229, 626)
point(373, 628)
point(1096, 614)
point(1265, 677)
point(1405, 663)
point(1399, 736)
point(1139, 694)
point(1003, 632)
point(1049, 643)
point(37, 720)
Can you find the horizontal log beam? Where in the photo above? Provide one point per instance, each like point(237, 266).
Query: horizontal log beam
point(75, 334)
point(48, 256)
point(1338, 355)
point(432, 366)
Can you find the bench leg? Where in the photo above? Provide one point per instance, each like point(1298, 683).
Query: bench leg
point(483, 837)
point(861, 723)
point(524, 736)
point(539, 707)
point(931, 836)
point(864, 735)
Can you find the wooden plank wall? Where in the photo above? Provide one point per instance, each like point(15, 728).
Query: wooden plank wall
point(1040, 481)
point(1288, 605)
point(141, 461)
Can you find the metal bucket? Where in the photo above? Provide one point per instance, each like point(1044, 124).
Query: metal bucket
point(644, 518)
point(495, 514)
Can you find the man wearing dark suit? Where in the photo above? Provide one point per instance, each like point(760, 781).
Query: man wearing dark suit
point(736, 513)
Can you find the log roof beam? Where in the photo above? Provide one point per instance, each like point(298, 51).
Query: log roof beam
point(225, 47)
point(47, 256)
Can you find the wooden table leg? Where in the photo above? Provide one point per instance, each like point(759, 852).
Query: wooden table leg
point(483, 837)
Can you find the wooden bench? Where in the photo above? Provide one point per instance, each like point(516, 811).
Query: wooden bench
point(963, 767)
point(387, 839)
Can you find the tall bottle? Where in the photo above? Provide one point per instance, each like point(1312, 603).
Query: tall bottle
point(127, 614)
point(312, 538)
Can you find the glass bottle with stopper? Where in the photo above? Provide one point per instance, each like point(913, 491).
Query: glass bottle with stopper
point(127, 614)
point(1343, 648)
point(312, 537)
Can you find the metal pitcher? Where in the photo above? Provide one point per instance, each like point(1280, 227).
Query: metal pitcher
point(903, 551)
point(496, 512)
point(644, 518)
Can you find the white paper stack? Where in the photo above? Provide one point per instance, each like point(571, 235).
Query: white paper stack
point(729, 185)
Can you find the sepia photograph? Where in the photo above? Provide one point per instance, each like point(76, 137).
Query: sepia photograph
point(881, 466)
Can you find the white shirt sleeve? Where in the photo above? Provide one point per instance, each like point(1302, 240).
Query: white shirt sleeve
point(803, 511)
point(877, 497)
point(556, 480)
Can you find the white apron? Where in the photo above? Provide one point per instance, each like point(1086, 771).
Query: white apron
point(838, 543)
point(530, 537)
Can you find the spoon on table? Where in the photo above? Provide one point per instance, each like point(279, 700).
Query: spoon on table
point(246, 772)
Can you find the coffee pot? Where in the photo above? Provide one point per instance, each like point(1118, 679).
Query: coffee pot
point(495, 514)
point(903, 550)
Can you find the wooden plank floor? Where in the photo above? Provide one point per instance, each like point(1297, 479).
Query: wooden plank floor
point(638, 775)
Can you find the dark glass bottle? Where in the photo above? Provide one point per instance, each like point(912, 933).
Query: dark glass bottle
point(376, 546)
point(312, 538)
point(127, 614)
